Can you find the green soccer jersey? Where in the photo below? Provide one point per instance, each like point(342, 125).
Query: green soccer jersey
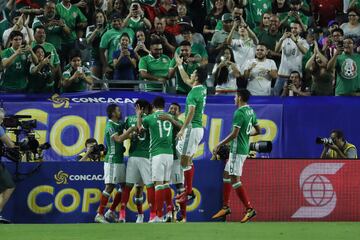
point(115, 150)
point(14, 77)
point(139, 146)
point(197, 50)
point(303, 17)
point(71, 16)
point(244, 118)
point(255, 10)
point(348, 74)
point(161, 134)
point(181, 86)
point(110, 41)
point(158, 67)
point(136, 25)
point(78, 85)
point(49, 48)
point(197, 99)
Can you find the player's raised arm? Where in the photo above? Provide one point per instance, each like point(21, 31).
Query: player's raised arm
point(174, 122)
point(121, 138)
point(139, 112)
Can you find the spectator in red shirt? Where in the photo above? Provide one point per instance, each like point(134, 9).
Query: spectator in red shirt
point(172, 26)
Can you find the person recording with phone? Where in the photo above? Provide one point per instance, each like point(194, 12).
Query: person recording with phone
point(93, 151)
point(136, 19)
point(41, 79)
point(7, 185)
point(15, 61)
point(336, 146)
point(77, 78)
point(294, 86)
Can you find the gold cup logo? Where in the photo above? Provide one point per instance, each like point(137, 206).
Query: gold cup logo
point(61, 177)
point(59, 102)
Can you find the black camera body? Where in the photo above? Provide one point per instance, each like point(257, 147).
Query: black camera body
point(261, 146)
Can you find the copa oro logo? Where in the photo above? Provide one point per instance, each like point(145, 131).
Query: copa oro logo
point(59, 102)
point(61, 177)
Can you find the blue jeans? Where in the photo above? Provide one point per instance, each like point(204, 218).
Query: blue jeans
point(279, 85)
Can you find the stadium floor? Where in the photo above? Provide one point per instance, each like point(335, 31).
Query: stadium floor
point(196, 231)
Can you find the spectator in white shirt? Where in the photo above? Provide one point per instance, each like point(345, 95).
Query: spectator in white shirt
point(243, 47)
point(292, 48)
point(259, 72)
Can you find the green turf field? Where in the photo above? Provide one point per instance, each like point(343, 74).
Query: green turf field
point(188, 231)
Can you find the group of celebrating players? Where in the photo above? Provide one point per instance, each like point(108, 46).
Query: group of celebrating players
point(161, 152)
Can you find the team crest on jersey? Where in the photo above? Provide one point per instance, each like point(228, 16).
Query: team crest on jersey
point(74, 14)
point(164, 60)
point(349, 69)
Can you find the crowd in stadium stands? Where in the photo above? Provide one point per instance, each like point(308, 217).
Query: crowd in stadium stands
point(270, 47)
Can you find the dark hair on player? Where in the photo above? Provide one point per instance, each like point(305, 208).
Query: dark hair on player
point(185, 43)
point(201, 73)
point(14, 34)
point(339, 134)
point(176, 104)
point(244, 94)
point(90, 140)
point(159, 102)
point(111, 109)
point(144, 104)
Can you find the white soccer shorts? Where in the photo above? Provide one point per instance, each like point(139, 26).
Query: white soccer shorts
point(235, 164)
point(177, 174)
point(114, 173)
point(188, 145)
point(138, 170)
point(161, 166)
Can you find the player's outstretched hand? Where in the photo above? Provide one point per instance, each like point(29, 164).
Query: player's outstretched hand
point(139, 110)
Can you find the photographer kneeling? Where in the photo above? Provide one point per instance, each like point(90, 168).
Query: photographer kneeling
point(94, 151)
point(7, 185)
point(336, 146)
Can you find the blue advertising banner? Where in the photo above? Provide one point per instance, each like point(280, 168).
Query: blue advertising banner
point(69, 192)
point(292, 123)
point(67, 121)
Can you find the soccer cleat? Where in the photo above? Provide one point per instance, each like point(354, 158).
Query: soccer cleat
point(100, 219)
point(140, 218)
point(156, 219)
point(181, 220)
point(222, 213)
point(3, 220)
point(169, 217)
point(121, 217)
point(250, 213)
point(110, 216)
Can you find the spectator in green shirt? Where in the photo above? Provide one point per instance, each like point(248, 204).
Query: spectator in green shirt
point(16, 61)
point(346, 64)
point(77, 77)
point(296, 14)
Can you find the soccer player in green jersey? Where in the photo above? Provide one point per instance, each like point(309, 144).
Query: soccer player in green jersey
point(244, 125)
point(191, 133)
point(161, 154)
point(138, 169)
point(177, 175)
point(114, 167)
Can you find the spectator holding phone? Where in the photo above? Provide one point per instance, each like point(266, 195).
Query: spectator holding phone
point(140, 46)
point(346, 64)
point(294, 86)
point(41, 79)
point(93, 38)
point(124, 60)
point(136, 19)
point(292, 48)
point(77, 78)
point(16, 61)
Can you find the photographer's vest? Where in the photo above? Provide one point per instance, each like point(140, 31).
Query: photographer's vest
point(333, 153)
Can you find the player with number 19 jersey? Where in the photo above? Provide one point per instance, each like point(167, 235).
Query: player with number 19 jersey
point(161, 134)
point(244, 118)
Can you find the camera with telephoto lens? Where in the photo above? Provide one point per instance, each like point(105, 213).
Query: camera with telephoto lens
point(261, 146)
point(320, 140)
point(27, 144)
point(97, 149)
